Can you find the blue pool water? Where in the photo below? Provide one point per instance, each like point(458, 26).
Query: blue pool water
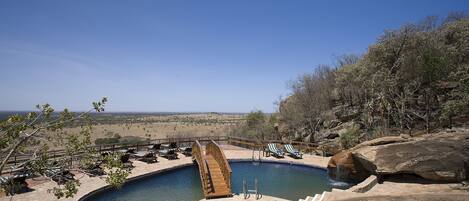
point(275, 179)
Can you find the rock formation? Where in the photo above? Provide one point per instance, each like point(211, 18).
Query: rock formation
point(441, 157)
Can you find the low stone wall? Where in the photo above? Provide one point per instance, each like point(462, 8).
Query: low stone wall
point(365, 185)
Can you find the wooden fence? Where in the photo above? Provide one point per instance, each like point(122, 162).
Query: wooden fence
point(261, 144)
point(60, 153)
point(236, 141)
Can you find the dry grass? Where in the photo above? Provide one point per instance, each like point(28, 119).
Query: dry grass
point(164, 126)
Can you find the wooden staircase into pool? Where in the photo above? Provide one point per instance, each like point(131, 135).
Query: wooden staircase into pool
point(214, 170)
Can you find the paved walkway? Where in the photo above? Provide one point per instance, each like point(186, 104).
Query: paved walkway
point(40, 186)
point(391, 190)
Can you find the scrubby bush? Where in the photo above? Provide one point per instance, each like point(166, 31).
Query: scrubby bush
point(257, 125)
point(350, 138)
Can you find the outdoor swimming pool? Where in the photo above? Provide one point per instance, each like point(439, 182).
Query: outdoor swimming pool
point(275, 179)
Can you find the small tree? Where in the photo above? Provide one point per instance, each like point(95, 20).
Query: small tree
point(257, 126)
point(255, 119)
point(33, 134)
point(350, 138)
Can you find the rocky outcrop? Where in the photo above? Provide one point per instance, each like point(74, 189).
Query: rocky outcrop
point(346, 113)
point(330, 147)
point(343, 167)
point(438, 157)
point(326, 129)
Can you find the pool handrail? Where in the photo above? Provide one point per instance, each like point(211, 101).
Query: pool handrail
point(197, 154)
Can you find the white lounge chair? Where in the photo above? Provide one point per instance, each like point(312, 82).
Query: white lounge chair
point(275, 151)
point(293, 152)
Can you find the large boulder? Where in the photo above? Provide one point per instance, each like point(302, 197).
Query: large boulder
point(333, 133)
point(324, 135)
point(330, 147)
point(343, 167)
point(439, 157)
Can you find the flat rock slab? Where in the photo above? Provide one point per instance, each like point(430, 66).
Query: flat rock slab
point(440, 157)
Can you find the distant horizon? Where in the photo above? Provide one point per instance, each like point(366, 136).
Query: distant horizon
point(130, 112)
point(6, 114)
point(231, 56)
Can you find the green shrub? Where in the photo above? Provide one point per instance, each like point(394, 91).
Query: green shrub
point(350, 138)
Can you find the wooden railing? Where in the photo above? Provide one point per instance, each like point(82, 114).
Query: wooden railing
point(253, 144)
point(19, 158)
point(238, 141)
point(198, 155)
point(214, 149)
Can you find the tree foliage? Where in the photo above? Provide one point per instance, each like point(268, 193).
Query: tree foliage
point(257, 126)
point(35, 133)
point(412, 77)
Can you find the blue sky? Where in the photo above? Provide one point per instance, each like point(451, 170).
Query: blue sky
point(182, 56)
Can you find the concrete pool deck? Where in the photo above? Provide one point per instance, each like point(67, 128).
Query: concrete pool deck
point(40, 186)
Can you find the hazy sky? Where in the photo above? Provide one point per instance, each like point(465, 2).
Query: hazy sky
point(224, 56)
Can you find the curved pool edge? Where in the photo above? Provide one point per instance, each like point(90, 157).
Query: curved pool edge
point(280, 162)
point(135, 178)
point(171, 168)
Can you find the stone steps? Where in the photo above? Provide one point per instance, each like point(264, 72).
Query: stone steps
point(317, 197)
point(324, 196)
point(362, 187)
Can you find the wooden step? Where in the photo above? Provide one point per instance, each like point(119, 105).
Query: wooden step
point(219, 194)
point(216, 175)
point(216, 183)
point(219, 184)
point(218, 180)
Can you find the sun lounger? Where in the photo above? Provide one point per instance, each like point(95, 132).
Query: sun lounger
point(146, 156)
point(170, 146)
point(125, 159)
point(14, 184)
point(293, 152)
point(94, 169)
point(154, 147)
point(173, 145)
point(274, 150)
point(60, 176)
point(168, 153)
point(187, 151)
point(127, 151)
